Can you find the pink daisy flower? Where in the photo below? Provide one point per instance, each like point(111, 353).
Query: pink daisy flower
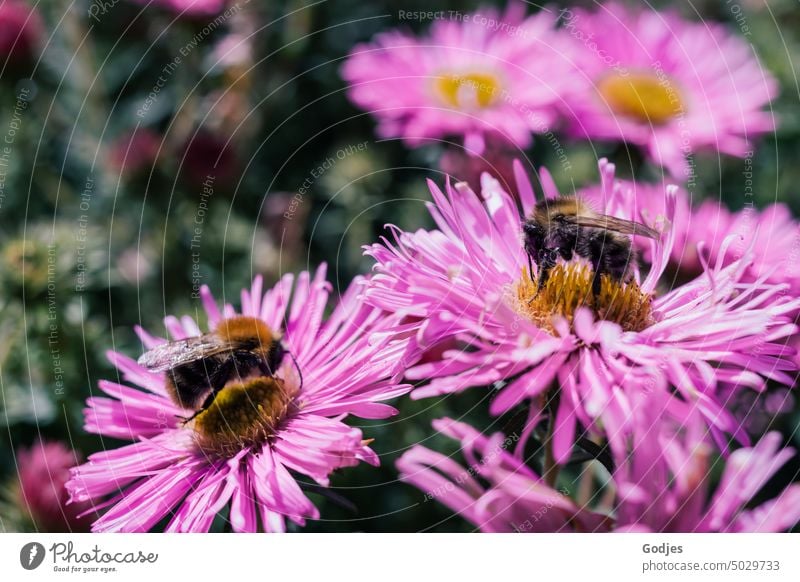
point(772, 234)
point(469, 280)
point(40, 496)
point(21, 32)
point(260, 437)
point(667, 84)
point(665, 485)
point(496, 492)
point(482, 74)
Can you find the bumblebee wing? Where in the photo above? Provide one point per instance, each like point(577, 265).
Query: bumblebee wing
point(172, 354)
point(614, 224)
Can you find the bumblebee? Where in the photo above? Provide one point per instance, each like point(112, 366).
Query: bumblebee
point(199, 367)
point(566, 226)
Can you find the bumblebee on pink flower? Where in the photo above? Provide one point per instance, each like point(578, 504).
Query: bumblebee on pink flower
point(613, 372)
point(222, 425)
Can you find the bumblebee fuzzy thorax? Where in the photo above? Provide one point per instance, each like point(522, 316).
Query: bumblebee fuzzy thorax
point(247, 332)
point(569, 287)
point(243, 329)
point(548, 210)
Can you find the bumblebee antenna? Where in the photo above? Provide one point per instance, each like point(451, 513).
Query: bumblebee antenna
point(296, 367)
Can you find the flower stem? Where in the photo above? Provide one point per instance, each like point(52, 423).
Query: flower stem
point(551, 468)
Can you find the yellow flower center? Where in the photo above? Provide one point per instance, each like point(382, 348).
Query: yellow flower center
point(569, 287)
point(643, 97)
point(242, 415)
point(468, 91)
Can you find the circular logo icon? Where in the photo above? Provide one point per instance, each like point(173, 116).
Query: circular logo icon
point(31, 555)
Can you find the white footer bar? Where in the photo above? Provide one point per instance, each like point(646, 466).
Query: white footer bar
point(388, 557)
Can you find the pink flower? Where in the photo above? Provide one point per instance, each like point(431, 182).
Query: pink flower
point(208, 154)
point(497, 492)
point(468, 280)
point(758, 412)
point(665, 484)
point(667, 84)
point(482, 74)
point(771, 234)
point(21, 32)
point(246, 449)
point(135, 152)
point(463, 166)
point(43, 471)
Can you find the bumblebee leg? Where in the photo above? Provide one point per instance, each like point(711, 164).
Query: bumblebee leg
point(611, 256)
point(530, 267)
point(209, 399)
point(220, 376)
point(534, 235)
point(597, 243)
point(296, 367)
point(217, 378)
point(547, 260)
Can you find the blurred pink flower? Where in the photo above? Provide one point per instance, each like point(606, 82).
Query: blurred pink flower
point(665, 484)
point(496, 159)
point(172, 471)
point(208, 155)
point(758, 412)
point(468, 280)
point(483, 74)
point(497, 492)
point(43, 472)
point(21, 32)
point(667, 84)
point(135, 152)
point(773, 233)
point(234, 51)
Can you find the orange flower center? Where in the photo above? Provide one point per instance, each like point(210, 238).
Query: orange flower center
point(643, 97)
point(569, 287)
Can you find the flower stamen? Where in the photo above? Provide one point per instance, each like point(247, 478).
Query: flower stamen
point(569, 287)
point(643, 97)
point(468, 91)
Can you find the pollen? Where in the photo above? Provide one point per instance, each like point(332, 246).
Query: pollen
point(569, 287)
point(468, 91)
point(643, 97)
point(242, 415)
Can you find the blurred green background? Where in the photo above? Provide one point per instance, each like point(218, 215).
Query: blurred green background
point(111, 141)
